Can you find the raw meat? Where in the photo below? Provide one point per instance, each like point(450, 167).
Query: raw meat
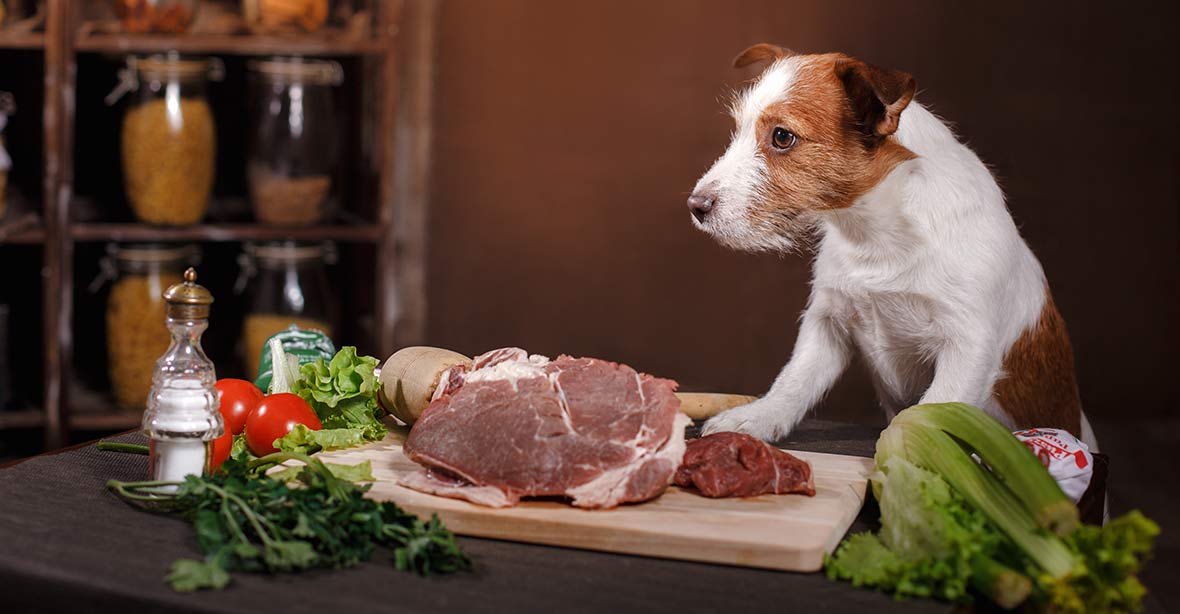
point(737, 465)
point(515, 425)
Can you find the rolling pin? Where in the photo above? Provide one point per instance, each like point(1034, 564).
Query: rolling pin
point(409, 377)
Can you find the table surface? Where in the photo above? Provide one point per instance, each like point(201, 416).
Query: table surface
point(66, 544)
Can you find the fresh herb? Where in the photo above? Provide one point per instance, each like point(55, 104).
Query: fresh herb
point(126, 448)
point(343, 392)
point(248, 521)
point(953, 528)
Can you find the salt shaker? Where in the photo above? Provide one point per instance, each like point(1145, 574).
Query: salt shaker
point(182, 417)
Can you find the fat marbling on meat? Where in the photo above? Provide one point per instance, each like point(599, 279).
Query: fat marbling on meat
point(514, 425)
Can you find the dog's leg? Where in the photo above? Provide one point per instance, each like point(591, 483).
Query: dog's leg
point(820, 356)
point(965, 373)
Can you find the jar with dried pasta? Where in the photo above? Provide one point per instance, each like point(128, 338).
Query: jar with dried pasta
point(169, 139)
point(286, 283)
point(136, 334)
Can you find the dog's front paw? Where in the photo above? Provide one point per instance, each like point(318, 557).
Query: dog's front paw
point(758, 419)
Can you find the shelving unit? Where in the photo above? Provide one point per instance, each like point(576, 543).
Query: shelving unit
point(225, 232)
point(34, 40)
point(391, 72)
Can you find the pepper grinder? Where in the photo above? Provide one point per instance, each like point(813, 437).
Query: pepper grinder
point(182, 417)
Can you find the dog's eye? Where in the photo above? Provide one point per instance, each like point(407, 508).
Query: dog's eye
point(783, 139)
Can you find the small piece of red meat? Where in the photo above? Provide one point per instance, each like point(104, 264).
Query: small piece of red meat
point(737, 465)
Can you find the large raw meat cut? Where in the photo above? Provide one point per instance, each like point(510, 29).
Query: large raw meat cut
point(515, 425)
point(737, 465)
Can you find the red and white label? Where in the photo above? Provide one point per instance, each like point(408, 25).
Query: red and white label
point(1067, 459)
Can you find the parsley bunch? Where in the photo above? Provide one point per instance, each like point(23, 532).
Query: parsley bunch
point(248, 521)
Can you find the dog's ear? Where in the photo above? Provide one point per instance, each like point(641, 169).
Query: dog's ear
point(877, 96)
point(762, 52)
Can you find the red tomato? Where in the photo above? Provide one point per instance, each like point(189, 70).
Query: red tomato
point(221, 448)
point(238, 399)
point(274, 417)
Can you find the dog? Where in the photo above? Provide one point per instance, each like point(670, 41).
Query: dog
point(918, 263)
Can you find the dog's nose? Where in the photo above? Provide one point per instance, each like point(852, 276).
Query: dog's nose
point(701, 203)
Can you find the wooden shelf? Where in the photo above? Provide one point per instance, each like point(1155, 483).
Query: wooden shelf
point(229, 44)
point(22, 40)
point(27, 236)
point(22, 419)
point(225, 232)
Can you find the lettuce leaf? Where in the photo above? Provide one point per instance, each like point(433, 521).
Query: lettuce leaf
point(1113, 555)
point(303, 440)
point(928, 543)
point(360, 472)
point(343, 392)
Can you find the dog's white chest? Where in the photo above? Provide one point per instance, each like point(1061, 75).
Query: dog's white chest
point(898, 336)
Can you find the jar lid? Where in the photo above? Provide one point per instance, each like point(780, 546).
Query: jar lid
point(173, 66)
point(188, 300)
point(321, 72)
point(152, 253)
point(288, 251)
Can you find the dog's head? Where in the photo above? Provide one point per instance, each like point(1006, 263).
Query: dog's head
point(812, 135)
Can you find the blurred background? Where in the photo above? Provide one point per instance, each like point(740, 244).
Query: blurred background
point(480, 173)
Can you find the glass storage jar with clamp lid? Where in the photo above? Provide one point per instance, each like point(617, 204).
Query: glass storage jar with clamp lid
point(169, 139)
point(286, 284)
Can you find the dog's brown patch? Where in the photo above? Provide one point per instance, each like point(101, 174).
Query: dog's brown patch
point(1040, 388)
point(834, 161)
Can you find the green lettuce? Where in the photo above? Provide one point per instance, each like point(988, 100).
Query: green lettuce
point(361, 472)
point(343, 392)
point(929, 543)
point(303, 440)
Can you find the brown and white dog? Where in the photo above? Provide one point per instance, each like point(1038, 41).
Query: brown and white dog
point(918, 263)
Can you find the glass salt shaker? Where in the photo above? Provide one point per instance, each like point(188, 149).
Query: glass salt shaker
point(182, 417)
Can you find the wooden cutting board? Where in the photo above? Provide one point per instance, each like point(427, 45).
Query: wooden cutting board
point(787, 532)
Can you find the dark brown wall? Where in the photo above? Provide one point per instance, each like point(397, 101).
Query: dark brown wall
point(567, 136)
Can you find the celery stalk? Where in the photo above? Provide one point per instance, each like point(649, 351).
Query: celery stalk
point(1009, 460)
point(1006, 587)
point(929, 447)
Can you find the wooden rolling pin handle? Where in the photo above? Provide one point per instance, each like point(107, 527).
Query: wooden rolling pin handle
point(704, 405)
point(409, 377)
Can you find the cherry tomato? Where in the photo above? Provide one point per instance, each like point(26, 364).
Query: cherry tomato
point(221, 448)
point(274, 417)
point(238, 399)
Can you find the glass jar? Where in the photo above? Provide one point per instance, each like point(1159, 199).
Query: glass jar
point(136, 333)
point(292, 149)
point(169, 137)
point(160, 16)
point(287, 285)
point(7, 107)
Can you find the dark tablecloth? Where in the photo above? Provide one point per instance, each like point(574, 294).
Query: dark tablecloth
point(66, 544)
